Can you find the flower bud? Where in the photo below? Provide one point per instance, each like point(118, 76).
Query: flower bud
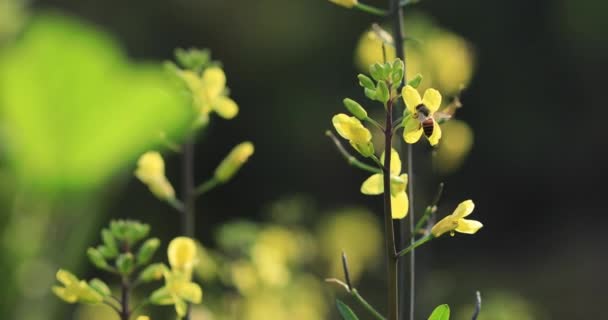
point(100, 286)
point(355, 108)
point(147, 250)
point(125, 263)
point(234, 161)
point(97, 258)
point(366, 82)
point(153, 272)
point(151, 171)
point(382, 94)
point(345, 3)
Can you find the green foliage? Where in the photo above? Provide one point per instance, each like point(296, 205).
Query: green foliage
point(345, 311)
point(442, 312)
point(355, 108)
point(87, 110)
point(416, 81)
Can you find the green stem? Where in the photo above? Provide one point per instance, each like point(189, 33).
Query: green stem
point(206, 186)
point(349, 157)
point(371, 9)
point(415, 245)
point(430, 209)
point(366, 305)
point(176, 204)
point(391, 261)
point(374, 122)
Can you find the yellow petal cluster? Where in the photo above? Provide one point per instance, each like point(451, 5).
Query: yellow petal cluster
point(351, 129)
point(209, 93)
point(151, 171)
point(75, 290)
point(456, 222)
point(374, 185)
point(234, 161)
point(345, 3)
point(179, 288)
point(412, 123)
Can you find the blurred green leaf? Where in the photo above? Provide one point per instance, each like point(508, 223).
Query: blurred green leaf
point(345, 311)
point(74, 109)
point(442, 312)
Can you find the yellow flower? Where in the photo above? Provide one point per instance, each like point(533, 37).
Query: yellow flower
point(178, 291)
point(456, 222)
point(374, 185)
point(182, 255)
point(209, 93)
point(75, 290)
point(234, 161)
point(143, 318)
point(151, 171)
point(352, 129)
point(345, 3)
point(421, 111)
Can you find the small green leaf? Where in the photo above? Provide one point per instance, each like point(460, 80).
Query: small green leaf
point(377, 71)
point(366, 82)
point(97, 258)
point(442, 312)
point(382, 94)
point(371, 94)
point(345, 311)
point(416, 81)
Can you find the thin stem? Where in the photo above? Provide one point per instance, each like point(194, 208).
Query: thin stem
point(124, 299)
point(115, 308)
point(366, 305)
point(206, 186)
point(188, 189)
point(176, 204)
point(349, 157)
point(415, 245)
point(371, 9)
point(430, 209)
point(388, 219)
point(477, 305)
point(374, 122)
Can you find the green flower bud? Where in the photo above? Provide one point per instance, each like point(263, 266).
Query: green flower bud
point(97, 258)
point(125, 263)
point(119, 229)
point(377, 71)
point(147, 250)
point(100, 286)
point(416, 81)
point(366, 82)
point(370, 93)
point(107, 253)
point(234, 161)
point(382, 94)
point(397, 73)
point(387, 69)
point(366, 150)
point(110, 246)
point(153, 272)
point(355, 108)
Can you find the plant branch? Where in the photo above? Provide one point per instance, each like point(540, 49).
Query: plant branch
point(371, 9)
point(477, 305)
point(391, 261)
point(188, 188)
point(206, 186)
point(430, 209)
point(125, 313)
point(415, 245)
point(349, 157)
point(355, 294)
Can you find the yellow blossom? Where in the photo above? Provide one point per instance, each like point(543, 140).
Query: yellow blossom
point(178, 291)
point(456, 222)
point(151, 171)
point(352, 129)
point(420, 109)
point(234, 161)
point(374, 185)
point(143, 318)
point(209, 93)
point(345, 3)
point(182, 254)
point(75, 290)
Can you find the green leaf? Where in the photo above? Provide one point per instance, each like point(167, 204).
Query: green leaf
point(382, 94)
point(416, 81)
point(366, 82)
point(88, 110)
point(345, 311)
point(442, 312)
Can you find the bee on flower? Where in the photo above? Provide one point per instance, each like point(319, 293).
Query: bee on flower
point(420, 115)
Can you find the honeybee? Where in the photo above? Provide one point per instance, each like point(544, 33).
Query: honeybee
point(427, 121)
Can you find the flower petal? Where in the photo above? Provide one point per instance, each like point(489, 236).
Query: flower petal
point(395, 162)
point(399, 205)
point(434, 138)
point(214, 82)
point(412, 130)
point(180, 307)
point(65, 295)
point(225, 107)
point(191, 292)
point(161, 296)
point(464, 209)
point(351, 128)
point(66, 278)
point(444, 225)
point(432, 99)
point(398, 184)
point(182, 254)
point(373, 185)
point(411, 97)
point(468, 226)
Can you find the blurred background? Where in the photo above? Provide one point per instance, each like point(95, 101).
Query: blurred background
point(82, 96)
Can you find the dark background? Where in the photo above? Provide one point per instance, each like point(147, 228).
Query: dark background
point(536, 105)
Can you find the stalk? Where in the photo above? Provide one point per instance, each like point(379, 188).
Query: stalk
point(391, 260)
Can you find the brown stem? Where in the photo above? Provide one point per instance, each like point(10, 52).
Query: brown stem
point(188, 189)
point(125, 312)
point(391, 259)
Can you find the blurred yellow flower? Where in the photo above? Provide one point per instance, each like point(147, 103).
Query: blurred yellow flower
point(182, 255)
point(143, 318)
point(234, 161)
point(456, 222)
point(420, 115)
point(345, 3)
point(209, 93)
point(455, 145)
point(151, 171)
point(178, 291)
point(351, 129)
point(374, 185)
point(75, 290)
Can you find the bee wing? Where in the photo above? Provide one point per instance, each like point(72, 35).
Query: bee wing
point(442, 116)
